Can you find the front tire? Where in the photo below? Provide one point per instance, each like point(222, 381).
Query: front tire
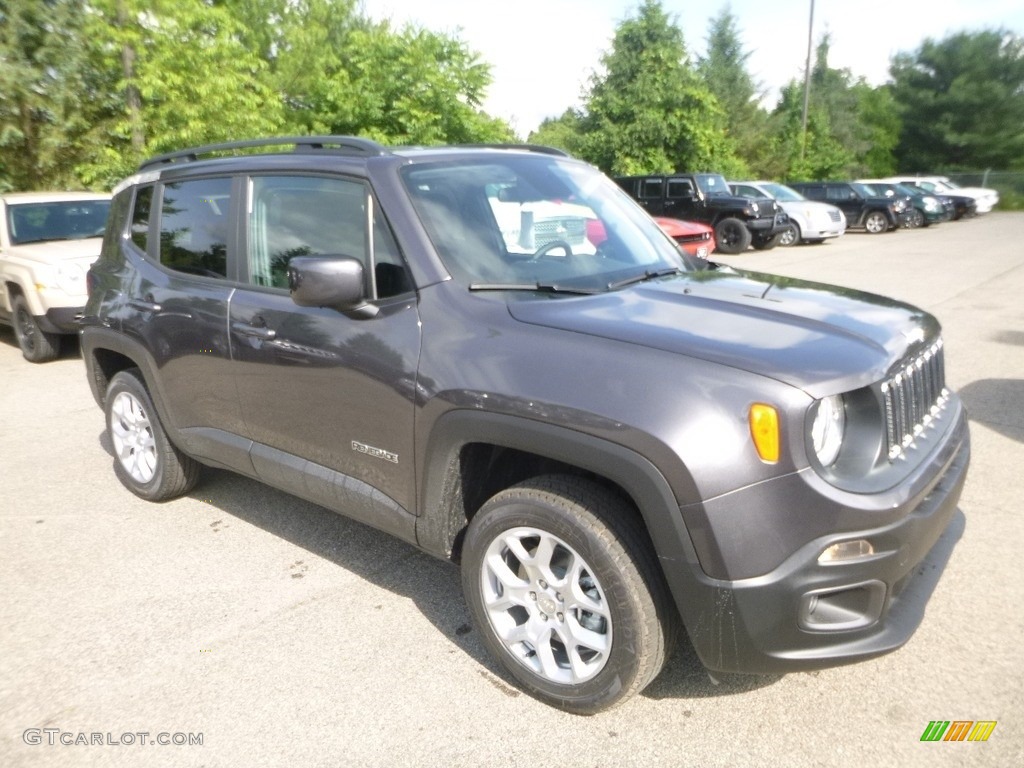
point(876, 223)
point(732, 236)
point(790, 235)
point(563, 586)
point(145, 460)
point(37, 346)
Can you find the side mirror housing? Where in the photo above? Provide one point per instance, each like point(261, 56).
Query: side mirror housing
point(337, 282)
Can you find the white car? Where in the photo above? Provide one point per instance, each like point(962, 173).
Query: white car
point(531, 226)
point(47, 242)
point(812, 222)
point(987, 199)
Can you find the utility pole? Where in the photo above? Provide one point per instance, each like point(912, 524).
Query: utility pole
point(807, 83)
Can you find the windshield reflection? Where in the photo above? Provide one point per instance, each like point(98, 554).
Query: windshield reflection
point(536, 221)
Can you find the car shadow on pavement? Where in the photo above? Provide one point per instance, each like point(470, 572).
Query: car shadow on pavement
point(998, 404)
point(431, 584)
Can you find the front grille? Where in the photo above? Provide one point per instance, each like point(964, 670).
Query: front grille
point(835, 215)
point(571, 230)
point(914, 396)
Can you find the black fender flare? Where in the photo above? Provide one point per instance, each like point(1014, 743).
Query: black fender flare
point(439, 522)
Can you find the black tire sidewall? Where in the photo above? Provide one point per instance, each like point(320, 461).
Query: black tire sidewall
point(619, 673)
point(46, 346)
point(732, 226)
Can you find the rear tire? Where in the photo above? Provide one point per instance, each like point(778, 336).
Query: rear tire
point(37, 346)
point(564, 587)
point(145, 460)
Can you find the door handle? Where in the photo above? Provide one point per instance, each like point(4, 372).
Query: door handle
point(144, 305)
point(256, 331)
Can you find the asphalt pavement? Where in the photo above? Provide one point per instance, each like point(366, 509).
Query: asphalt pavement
point(279, 634)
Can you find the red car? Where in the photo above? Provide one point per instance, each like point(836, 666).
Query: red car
point(694, 238)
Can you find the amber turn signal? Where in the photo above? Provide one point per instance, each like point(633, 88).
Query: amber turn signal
point(764, 429)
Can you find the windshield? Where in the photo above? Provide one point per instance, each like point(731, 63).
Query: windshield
point(905, 189)
point(38, 222)
point(712, 184)
point(782, 193)
point(535, 220)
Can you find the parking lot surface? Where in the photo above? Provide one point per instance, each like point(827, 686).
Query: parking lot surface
point(281, 634)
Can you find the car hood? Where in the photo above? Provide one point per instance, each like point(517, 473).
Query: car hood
point(798, 206)
point(766, 206)
point(819, 338)
point(680, 227)
point(974, 192)
point(51, 251)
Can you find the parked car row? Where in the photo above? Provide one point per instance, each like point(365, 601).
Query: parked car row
point(820, 210)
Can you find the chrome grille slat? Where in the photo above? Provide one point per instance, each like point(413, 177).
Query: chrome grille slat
point(913, 396)
point(571, 230)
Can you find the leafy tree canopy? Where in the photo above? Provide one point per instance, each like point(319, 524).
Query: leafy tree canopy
point(962, 103)
point(648, 111)
point(90, 87)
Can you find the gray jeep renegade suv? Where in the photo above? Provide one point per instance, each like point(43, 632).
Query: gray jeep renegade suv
point(495, 355)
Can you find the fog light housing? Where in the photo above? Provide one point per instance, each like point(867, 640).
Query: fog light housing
point(847, 550)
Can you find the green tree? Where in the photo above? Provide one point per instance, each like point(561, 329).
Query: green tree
point(177, 75)
point(43, 93)
point(881, 125)
point(724, 70)
point(819, 155)
point(339, 72)
point(648, 111)
point(564, 132)
point(415, 86)
point(852, 127)
point(962, 103)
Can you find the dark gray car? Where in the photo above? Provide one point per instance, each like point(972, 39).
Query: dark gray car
point(497, 356)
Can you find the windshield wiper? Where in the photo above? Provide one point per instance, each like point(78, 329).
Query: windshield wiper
point(650, 274)
point(542, 287)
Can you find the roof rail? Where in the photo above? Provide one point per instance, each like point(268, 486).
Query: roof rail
point(344, 144)
point(539, 148)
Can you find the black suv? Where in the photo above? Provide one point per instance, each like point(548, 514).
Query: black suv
point(863, 208)
point(493, 354)
point(739, 222)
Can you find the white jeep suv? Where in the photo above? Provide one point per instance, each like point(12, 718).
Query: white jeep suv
point(47, 242)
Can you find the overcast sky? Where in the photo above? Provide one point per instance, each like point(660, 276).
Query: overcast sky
point(543, 52)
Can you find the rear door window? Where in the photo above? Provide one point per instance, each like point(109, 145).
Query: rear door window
point(195, 225)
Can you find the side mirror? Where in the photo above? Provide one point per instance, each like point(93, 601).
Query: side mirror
point(337, 282)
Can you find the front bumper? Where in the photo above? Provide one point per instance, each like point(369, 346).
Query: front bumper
point(803, 614)
point(768, 226)
point(60, 320)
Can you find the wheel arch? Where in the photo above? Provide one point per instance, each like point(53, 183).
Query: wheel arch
point(107, 353)
point(471, 456)
point(19, 281)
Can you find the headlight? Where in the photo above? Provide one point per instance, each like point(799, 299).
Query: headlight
point(828, 429)
point(753, 207)
point(71, 278)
